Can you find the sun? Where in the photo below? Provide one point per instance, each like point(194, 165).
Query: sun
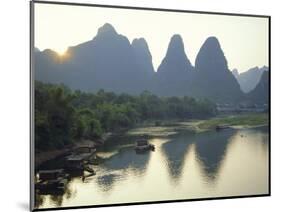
point(61, 51)
point(63, 54)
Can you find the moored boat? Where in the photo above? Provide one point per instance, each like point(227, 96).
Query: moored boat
point(143, 145)
point(222, 127)
point(79, 157)
point(52, 180)
point(74, 163)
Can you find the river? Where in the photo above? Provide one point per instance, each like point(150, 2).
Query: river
point(184, 165)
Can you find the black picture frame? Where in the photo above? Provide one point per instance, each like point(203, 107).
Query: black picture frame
point(32, 152)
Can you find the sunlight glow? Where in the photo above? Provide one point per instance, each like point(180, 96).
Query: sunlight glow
point(61, 51)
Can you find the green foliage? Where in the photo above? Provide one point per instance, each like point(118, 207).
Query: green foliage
point(54, 117)
point(63, 116)
point(91, 125)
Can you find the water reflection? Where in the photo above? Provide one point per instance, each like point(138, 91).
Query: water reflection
point(118, 166)
point(185, 165)
point(56, 198)
point(126, 158)
point(39, 200)
point(210, 150)
point(175, 152)
point(106, 181)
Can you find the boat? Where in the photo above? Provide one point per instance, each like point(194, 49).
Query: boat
point(142, 145)
point(85, 151)
point(79, 157)
point(222, 127)
point(75, 163)
point(52, 180)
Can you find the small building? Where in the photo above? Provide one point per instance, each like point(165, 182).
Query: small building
point(84, 149)
point(80, 155)
point(75, 162)
point(51, 174)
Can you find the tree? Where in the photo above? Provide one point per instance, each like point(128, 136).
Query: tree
point(63, 116)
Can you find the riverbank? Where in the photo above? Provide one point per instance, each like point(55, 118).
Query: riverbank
point(172, 127)
point(166, 128)
point(244, 120)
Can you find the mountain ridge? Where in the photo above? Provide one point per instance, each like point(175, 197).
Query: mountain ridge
point(110, 62)
point(250, 78)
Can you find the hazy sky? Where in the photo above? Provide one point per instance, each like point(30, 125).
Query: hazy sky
point(244, 40)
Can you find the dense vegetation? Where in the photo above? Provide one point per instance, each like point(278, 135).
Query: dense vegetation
point(63, 116)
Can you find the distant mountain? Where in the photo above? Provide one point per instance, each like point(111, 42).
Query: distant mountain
point(47, 65)
point(260, 93)
point(175, 71)
point(143, 59)
point(213, 78)
point(235, 73)
point(143, 55)
point(36, 49)
point(175, 61)
point(110, 62)
point(248, 80)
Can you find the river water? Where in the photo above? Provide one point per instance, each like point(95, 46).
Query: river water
point(184, 165)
